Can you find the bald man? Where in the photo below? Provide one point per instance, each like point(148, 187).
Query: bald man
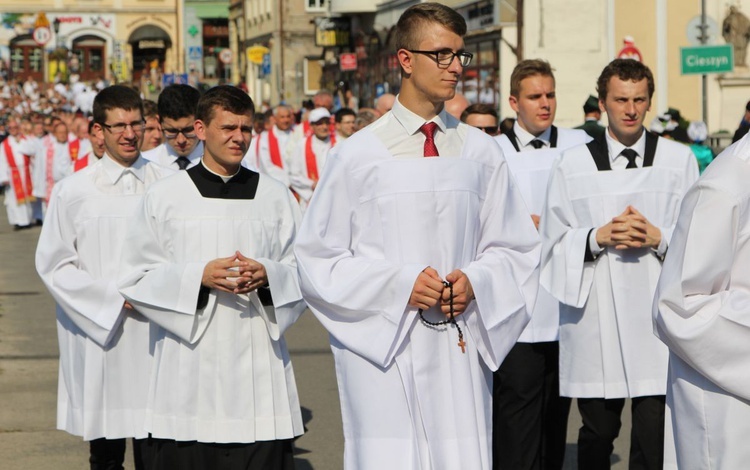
point(456, 105)
point(384, 103)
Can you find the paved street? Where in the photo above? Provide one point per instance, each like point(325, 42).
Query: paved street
point(28, 377)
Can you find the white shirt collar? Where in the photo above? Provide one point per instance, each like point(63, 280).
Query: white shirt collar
point(225, 178)
point(412, 122)
point(616, 147)
point(115, 171)
point(524, 137)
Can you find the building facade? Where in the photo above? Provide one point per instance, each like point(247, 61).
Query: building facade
point(54, 39)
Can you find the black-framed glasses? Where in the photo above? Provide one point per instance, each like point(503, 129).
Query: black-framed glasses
point(188, 132)
point(444, 58)
point(120, 127)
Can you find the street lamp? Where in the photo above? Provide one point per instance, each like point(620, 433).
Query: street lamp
point(56, 29)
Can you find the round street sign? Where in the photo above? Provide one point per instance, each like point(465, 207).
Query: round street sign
point(225, 56)
point(693, 31)
point(42, 35)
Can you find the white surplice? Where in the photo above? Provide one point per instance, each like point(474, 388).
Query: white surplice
point(530, 168)
point(18, 213)
point(104, 349)
point(410, 398)
point(61, 165)
point(702, 313)
point(263, 157)
point(299, 173)
point(222, 373)
point(164, 155)
point(607, 348)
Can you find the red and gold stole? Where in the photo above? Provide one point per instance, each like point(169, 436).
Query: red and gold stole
point(23, 192)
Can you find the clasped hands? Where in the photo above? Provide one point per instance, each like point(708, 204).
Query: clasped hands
point(235, 274)
point(429, 289)
point(629, 230)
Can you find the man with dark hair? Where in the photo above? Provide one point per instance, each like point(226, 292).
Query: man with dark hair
point(344, 119)
point(406, 257)
point(530, 418)
point(591, 115)
point(610, 211)
point(16, 175)
point(482, 116)
point(182, 149)
point(211, 265)
point(93, 152)
point(104, 343)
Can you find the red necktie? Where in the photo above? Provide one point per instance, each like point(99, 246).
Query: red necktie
point(428, 129)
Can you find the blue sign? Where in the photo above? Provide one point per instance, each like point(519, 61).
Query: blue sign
point(195, 52)
point(174, 79)
point(266, 64)
point(379, 90)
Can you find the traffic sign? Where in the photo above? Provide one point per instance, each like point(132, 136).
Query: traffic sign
point(706, 59)
point(42, 35)
point(348, 62)
point(695, 33)
point(195, 53)
point(226, 56)
point(266, 67)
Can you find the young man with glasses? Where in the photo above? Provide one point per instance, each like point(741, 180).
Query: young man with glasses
point(182, 149)
point(104, 343)
point(530, 418)
point(211, 265)
point(412, 202)
point(482, 116)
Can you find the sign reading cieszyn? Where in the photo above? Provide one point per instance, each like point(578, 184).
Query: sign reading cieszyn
point(707, 59)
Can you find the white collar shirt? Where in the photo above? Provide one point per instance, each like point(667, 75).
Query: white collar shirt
point(399, 132)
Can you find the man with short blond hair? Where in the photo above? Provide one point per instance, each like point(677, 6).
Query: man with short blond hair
point(406, 257)
point(530, 418)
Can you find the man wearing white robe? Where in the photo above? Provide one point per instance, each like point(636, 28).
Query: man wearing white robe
point(701, 314)
point(309, 156)
point(104, 343)
point(52, 162)
point(530, 418)
point(211, 265)
point(16, 175)
point(610, 211)
point(385, 228)
point(273, 145)
point(181, 148)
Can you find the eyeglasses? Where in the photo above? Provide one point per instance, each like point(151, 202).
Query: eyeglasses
point(188, 132)
point(491, 130)
point(445, 57)
point(119, 128)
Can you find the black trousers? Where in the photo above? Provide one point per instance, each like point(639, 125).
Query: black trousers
point(601, 425)
point(109, 454)
point(166, 454)
point(529, 418)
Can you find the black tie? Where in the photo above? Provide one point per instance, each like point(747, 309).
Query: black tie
point(183, 162)
point(630, 154)
point(537, 144)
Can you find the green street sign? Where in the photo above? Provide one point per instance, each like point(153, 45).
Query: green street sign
point(706, 59)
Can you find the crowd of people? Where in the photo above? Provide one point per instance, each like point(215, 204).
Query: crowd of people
point(468, 297)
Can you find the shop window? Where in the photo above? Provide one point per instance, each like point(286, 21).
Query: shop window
point(26, 58)
point(89, 54)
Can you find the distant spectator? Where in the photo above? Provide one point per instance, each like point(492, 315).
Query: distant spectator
point(591, 115)
point(481, 116)
point(698, 133)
